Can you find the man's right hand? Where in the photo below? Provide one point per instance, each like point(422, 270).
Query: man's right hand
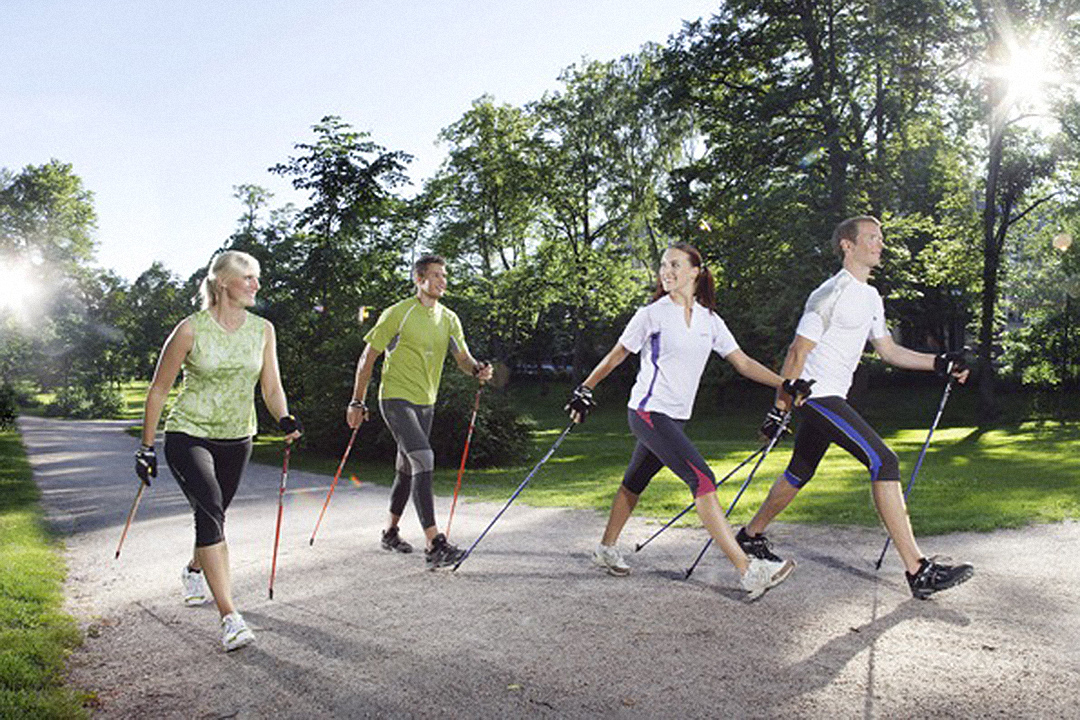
point(356, 413)
point(774, 423)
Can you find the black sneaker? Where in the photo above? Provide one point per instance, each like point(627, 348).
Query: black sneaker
point(758, 546)
point(392, 541)
point(933, 577)
point(442, 553)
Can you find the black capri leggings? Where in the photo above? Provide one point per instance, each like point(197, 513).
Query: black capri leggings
point(208, 471)
point(661, 441)
point(830, 420)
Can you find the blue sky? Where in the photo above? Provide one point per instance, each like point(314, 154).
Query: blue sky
point(163, 107)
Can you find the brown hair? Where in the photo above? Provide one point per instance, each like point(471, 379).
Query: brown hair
point(849, 230)
point(419, 268)
point(704, 288)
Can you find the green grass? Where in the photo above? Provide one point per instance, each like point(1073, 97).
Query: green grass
point(35, 636)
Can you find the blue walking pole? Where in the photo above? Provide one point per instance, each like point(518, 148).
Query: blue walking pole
point(691, 506)
point(918, 463)
point(768, 448)
point(516, 493)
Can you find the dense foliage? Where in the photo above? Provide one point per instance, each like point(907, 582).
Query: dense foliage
point(749, 134)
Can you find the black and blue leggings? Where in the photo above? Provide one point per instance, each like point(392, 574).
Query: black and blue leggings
point(662, 442)
point(410, 424)
point(208, 472)
point(830, 420)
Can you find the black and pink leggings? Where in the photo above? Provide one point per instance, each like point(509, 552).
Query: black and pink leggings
point(830, 420)
point(662, 442)
point(208, 471)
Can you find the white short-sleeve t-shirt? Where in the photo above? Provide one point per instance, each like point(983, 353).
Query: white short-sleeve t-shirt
point(840, 316)
point(673, 355)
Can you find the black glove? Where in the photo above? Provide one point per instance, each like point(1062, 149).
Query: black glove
point(581, 402)
point(289, 424)
point(950, 363)
point(774, 421)
point(146, 463)
point(798, 389)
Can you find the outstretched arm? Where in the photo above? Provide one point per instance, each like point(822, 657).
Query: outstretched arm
point(611, 361)
point(751, 369)
point(903, 357)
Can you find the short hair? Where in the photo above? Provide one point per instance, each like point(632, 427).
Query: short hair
point(419, 268)
point(849, 230)
point(223, 266)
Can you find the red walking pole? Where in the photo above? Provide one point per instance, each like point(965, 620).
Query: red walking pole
point(348, 449)
point(280, 505)
point(130, 517)
point(464, 455)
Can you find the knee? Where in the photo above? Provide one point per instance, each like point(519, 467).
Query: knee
point(421, 461)
point(889, 467)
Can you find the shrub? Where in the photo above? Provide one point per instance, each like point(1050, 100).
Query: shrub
point(94, 400)
point(9, 408)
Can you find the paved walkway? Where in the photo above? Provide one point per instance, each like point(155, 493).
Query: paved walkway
point(528, 627)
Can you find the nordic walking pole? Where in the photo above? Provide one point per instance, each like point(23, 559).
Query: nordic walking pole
point(517, 492)
point(130, 517)
point(691, 506)
point(746, 483)
point(464, 455)
point(348, 449)
point(280, 505)
point(918, 463)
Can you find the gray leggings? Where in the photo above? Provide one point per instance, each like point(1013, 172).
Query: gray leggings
point(411, 427)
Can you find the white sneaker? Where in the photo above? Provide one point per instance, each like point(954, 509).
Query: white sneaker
point(234, 632)
point(609, 558)
point(195, 590)
point(764, 574)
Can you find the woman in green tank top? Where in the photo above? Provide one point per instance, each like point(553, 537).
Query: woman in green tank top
point(224, 350)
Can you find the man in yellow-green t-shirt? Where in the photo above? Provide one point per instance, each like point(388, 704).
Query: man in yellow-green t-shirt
point(415, 335)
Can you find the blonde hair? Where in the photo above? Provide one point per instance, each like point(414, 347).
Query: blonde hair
point(223, 266)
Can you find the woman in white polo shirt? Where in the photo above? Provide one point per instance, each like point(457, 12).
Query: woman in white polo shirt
point(674, 335)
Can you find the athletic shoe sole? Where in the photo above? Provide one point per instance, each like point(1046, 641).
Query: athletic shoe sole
point(924, 594)
point(611, 569)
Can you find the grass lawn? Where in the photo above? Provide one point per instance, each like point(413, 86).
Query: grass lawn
point(35, 636)
point(1025, 471)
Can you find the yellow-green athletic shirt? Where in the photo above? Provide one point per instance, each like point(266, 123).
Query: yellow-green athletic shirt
point(217, 396)
point(415, 339)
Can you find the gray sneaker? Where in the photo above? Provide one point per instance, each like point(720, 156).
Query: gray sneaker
point(609, 558)
point(765, 574)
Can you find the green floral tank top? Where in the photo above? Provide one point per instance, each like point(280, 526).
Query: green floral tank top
point(217, 395)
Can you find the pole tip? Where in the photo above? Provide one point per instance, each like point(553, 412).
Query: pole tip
point(117, 556)
point(271, 593)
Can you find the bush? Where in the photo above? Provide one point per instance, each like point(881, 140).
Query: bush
point(97, 400)
point(9, 407)
point(501, 436)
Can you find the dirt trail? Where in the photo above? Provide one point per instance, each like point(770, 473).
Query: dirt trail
point(527, 626)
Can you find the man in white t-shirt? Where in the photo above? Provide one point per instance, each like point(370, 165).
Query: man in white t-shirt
point(839, 317)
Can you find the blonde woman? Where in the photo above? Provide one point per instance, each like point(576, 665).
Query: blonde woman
point(224, 350)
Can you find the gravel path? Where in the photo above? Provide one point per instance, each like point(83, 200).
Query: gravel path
point(528, 627)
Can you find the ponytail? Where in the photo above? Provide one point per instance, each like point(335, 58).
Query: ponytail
point(222, 266)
